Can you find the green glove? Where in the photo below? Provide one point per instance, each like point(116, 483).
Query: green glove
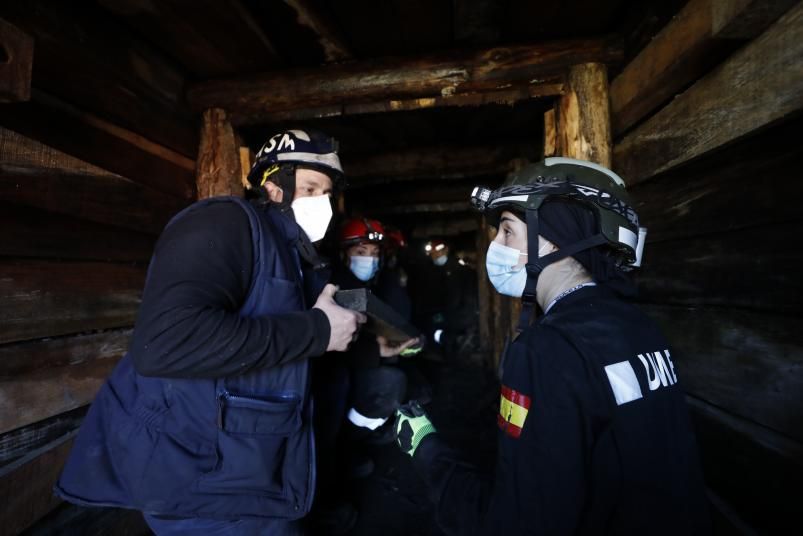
point(412, 425)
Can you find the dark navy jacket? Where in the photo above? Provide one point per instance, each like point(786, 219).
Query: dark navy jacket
point(240, 446)
point(594, 434)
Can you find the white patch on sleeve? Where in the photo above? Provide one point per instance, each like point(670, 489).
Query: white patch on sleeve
point(623, 382)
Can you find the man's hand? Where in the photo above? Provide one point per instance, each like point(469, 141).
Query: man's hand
point(386, 349)
point(412, 425)
point(343, 323)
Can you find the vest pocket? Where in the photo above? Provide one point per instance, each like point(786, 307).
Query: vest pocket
point(252, 444)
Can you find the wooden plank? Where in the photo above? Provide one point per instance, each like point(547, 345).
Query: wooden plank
point(17, 443)
point(246, 161)
point(550, 133)
point(752, 268)
point(16, 62)
point(749, 364)
point(45, 299)
point(697, 39)
point(755, 470)
point(105, 199)
point(219, 170)
point(26, 486)
point(92, 140)
point(739, 187)
point(29, 232)
point(437, 75)
point(18, 359)
point(327, 35)
point(583, 115)
point(211, 39)
point(112, 73)
point(19, 150)
point(33, 396)
point(757, 86)
point(441, 162)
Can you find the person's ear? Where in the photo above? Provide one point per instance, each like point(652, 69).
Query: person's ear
point(275, 193)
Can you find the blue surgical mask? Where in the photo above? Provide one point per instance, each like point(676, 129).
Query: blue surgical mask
point(440, 261)
point(364, 268)
point(500, 263)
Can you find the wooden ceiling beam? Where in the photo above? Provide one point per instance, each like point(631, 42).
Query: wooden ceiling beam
point(250, 99)
point(443, 162)
point(684, 50)
point(757, 86)
point(330, 39)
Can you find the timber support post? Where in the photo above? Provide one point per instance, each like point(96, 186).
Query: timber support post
point(219, 167)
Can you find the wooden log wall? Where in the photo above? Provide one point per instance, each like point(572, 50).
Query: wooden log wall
point(716, 175)
point(96, 154)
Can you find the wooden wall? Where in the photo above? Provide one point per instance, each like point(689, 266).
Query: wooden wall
point(95, 156)
point(716, 174)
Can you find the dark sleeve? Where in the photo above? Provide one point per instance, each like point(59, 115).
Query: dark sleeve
point(188, 323)
point(539, 483)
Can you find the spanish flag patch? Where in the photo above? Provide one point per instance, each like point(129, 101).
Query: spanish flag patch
point(513, 409)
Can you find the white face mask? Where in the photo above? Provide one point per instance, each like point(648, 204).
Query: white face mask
point(500, 263)
point(313, 214)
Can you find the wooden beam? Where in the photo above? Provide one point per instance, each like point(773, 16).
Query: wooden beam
point(20, 441)
point(334, 47)
point(26, 486)
point(105, 199)
point(442, 162)
point(96, 63)
point(45, 299)
point(692, 43)
point(583, 115)
point(219, 171)
point(744, 362)
point(418, 208)
point(16, 63)
point(550, 133)
point(445, 227)
point(704, 197)
point(437, 75)
point(29, 232)
point(95, 141)
point(246, 161)
point(31, 397)
point(759, 85)
point(748, 268)
point(210, 39)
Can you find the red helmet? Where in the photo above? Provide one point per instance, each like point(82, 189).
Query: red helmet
point(359, 230)
point(396, 238)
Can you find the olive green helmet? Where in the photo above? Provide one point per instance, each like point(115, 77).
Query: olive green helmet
point(596, 187)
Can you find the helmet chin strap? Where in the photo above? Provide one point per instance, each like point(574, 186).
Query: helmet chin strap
point(535, 264)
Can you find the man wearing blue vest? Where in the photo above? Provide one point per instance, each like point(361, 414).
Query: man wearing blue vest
point(206, 424)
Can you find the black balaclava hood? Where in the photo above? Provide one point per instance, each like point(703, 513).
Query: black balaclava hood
point(564, 223)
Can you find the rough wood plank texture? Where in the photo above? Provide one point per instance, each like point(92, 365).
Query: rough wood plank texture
point(105, 199)
point(97, 142)
point(112, 73)
point(745, 185)
point(19, 150)
point(442, 162)
point(333, 44)
point(26, 486)
point(394, 78)
point(33, 396)
point(17, 443)
point(760, 84)
point(211, 38)
point(550, 133)
point(16, 62)
point(694, 41)
point(583, 116)
point(28, 232)
point(219, 170)
point(749, 364)
point(752, 268)
point(45, 299)
point(754, 469)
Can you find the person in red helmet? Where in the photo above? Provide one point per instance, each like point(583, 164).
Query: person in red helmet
point(356, 393)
